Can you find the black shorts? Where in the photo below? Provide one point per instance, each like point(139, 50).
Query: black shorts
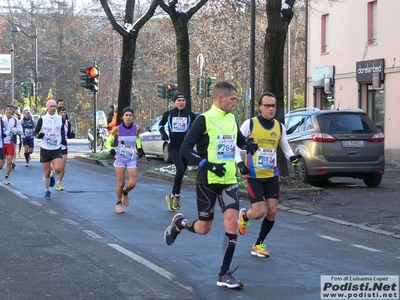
point(2, 153)
point(49, 155)
point(207, 194)
point(64, 151)
point(263, 188)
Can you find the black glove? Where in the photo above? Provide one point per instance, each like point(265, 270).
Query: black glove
point(165, 137)
point(242, 168)
point(140, 152)
point(4, 135)
point(252, 146)
point(40, 135)
point(71, 135)
point(217, 169)
point(113, 152)
point(294, 160)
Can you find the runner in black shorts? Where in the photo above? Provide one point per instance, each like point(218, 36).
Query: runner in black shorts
point(50, 129)
point(216, 136)
point(263, 177)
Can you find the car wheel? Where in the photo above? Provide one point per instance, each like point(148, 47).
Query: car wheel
point(373, 181)
point(301, 173)
point(166, 156)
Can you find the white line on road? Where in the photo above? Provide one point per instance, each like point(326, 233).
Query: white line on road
point(92, 234)
point(366, 248)
point(52, 212)
point(35, 203)
point(330, 238)
point(150, 265)
point(70, 221)
point(15, 192)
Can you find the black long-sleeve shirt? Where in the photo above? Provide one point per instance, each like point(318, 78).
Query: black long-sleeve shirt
point(175, 136)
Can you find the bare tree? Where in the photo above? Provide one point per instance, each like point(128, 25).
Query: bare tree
point(180, 19)
point(129, 32)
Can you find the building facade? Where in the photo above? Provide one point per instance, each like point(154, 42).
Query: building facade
point(354, 61)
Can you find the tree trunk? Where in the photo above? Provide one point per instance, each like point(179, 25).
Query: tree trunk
point(274, 51)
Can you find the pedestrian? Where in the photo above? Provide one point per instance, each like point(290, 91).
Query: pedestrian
point(179, 119)
point(60, 103)
point(215, 134)
point(62, 111)
point(51, 131)
point(263, 178)
point(12, 127)
point(129, 145)
point(28, 125)
point(110, 115)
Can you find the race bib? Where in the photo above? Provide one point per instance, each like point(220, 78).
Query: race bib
point(28, 132)
point(226, 144)
point(266, 158)
point(126, 152)
point(179, 124)
point(52, 139)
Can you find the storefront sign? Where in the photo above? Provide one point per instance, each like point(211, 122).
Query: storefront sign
point(365, 70)
point(319, 74)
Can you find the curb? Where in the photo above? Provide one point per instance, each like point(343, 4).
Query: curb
point(242, 193)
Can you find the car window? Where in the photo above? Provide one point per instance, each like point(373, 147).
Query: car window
point(345, 123)
point(294, 124)
point(308, 124)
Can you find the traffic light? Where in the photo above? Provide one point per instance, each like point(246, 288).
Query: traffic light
point(174, 90)
point(90, 78)
point(25, 89)
point(161, 90)
point(93, 74)
point(169, 88)
point(209, 81)
point(84, 78)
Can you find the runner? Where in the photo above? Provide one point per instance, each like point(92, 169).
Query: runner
point(179, 120)
point(61, 110)
point(12, 127)
point(129, 145)
point(215, 134)
point(28, 125)
point(50, 129)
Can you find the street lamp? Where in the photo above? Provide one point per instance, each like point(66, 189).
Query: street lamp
point(35, 36)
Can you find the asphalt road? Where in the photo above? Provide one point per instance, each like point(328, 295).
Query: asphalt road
point(76, 247)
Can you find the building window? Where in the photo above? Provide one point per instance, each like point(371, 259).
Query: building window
point(372, 23)
point(324, 33)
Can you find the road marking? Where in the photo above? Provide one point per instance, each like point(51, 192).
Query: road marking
point(52, 212)
point(366, 248)
point(35, 203)
point(70, 221)
point(15, 192)
point(330, 238)
point(150, 265)
point(92, 234)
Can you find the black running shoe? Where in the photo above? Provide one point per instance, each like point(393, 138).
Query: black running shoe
point(229, 281)
point(172, 230)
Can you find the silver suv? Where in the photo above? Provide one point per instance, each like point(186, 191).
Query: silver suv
point(329, 143)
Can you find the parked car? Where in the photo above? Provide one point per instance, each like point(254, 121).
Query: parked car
point(153, 144)
point(335, 143)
